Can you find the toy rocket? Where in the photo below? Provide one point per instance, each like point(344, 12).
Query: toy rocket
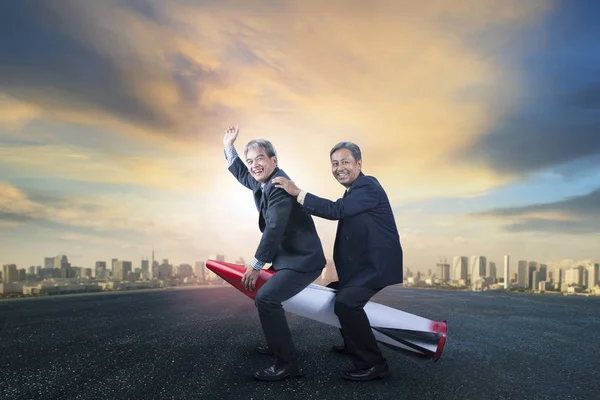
point(418, 338)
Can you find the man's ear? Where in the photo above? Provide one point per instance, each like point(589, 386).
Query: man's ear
point(275, 160)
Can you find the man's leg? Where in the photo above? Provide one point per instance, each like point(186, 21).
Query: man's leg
point(280, 287)
point(337, 348)
point(359, 337)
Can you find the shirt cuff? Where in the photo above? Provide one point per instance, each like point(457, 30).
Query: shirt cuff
point(230, 154)
point(257, 264)
point(300, 197)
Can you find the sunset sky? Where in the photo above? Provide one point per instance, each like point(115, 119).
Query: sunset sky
point(480, 118)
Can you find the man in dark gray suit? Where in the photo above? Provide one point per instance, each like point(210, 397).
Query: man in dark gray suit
point(367, 253)
point(289, 242)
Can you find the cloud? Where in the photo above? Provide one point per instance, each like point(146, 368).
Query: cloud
point(569, 262)
point(575, 215)
point(101, 63)
point(99, 165)
point(397, 71)
point(86, 213)
point(555, 119)
point(14, 115)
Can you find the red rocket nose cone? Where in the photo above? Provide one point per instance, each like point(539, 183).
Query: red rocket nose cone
point(233, 273)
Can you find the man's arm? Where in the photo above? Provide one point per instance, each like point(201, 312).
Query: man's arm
point(239, 169)
point(360, 198)
point(277, 216)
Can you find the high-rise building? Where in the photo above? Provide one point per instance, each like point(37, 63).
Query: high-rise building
point(100, 270)
point(533, 267)
point(491, 271)
point(10, 273)
point(592, 277)
point(543, 268)
point(478, 267)
point(199, 271)
point(557, 276)
point(460, 268)
point(443, 272)
point(535, 280)
point(61, 262)
point(121, 270)
point(506, 271)
point(145, 266)
point(574, 276)
point(185, 271)
point(522, 274)
point(594, 272)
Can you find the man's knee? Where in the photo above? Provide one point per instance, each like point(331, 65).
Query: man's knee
point(349, 300)
point(264, 301)
point(343, 304)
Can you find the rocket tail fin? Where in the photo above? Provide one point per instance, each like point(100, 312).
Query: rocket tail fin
point(426, 345)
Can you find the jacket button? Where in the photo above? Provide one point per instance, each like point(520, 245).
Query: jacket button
point(350, 258)
point(347, 238)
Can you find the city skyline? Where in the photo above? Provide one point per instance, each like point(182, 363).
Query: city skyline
point(478, 118)
point(499, 266)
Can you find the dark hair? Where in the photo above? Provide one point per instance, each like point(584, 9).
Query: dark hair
point(258, 143)
point(354, 149)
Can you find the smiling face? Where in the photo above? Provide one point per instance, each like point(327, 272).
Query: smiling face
point(259, 164)
point(344, 167)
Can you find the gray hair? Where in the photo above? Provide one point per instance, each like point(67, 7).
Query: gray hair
point(258, 143)
point(354, 149)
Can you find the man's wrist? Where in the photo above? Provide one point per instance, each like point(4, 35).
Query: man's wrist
point(257, 264)
point(230, 154)
point(301, 196)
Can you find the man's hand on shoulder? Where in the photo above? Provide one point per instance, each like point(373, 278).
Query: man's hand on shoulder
point(231, 135)
point(287, 185)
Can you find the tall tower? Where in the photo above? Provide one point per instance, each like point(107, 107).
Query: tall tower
point(506, 277)
point(152, 273)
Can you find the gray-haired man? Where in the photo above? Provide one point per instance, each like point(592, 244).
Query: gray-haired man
point(289, 242)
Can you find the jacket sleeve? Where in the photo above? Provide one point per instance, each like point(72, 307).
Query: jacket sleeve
point(360, 198)
point(277, 215)
point(241, 173)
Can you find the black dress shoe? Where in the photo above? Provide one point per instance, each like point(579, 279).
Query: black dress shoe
point(379, 371)
point(340, 349)
point(264, 350)
point(279, 372)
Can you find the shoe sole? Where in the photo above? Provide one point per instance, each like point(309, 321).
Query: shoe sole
point(273, 379)
point(378, 377)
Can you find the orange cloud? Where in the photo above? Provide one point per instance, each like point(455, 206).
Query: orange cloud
point(14, 114)
point(388, 75)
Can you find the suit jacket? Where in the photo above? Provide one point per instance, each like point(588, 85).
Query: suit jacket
point(289, 236)
point(367, 250)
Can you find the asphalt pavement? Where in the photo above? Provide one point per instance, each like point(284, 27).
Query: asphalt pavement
point(199, 344)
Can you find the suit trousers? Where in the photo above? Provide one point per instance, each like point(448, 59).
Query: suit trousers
point(283, 285)
point(355, 327)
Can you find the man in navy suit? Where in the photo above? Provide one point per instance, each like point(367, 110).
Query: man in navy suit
point(367, 253)
point(289, 242)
